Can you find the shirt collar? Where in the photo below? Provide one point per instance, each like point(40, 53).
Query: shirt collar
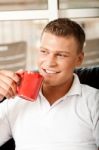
point(75, 88)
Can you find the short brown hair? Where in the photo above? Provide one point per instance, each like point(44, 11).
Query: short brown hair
point(66, 27)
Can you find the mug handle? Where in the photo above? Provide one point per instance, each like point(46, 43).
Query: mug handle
point(21, 75)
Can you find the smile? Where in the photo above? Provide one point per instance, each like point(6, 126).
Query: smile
point(50, 71)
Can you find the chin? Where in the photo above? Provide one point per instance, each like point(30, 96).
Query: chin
point(50, 83)
point(47, 82)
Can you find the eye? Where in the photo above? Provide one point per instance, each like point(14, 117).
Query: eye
point(61, 55)
point(44, 52)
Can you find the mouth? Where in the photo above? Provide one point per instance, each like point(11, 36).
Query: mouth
point(50, 72)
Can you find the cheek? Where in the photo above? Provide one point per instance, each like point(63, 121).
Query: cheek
point(67, 65)
point(40, 61)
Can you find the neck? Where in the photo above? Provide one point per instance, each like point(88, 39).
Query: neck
point(53, 93)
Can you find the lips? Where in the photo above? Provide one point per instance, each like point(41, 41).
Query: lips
point(50, 71)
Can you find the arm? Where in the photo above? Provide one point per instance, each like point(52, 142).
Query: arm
point(8, 82)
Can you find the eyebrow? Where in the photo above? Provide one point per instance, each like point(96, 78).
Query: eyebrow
point(59, 51)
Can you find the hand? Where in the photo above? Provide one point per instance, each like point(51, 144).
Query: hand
point(8, 84)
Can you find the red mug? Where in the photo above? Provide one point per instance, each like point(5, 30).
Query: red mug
point(29, 86)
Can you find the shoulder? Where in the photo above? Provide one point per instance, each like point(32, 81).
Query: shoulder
point(89, 91)
point(90, 96)
point(87, 106)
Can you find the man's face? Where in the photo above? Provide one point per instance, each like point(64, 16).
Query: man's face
point(58, 57)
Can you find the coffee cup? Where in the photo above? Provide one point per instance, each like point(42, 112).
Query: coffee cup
point(30, 84)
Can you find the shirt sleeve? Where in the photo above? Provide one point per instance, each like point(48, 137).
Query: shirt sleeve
point(95, 117)
point(5, 131)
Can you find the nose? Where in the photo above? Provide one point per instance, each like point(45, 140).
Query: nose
point(51, 60)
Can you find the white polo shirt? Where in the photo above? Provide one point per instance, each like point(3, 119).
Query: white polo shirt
point(71, 123)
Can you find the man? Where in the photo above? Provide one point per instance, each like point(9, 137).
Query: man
point(65, 115)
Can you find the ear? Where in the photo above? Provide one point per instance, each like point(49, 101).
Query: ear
point(80, 58)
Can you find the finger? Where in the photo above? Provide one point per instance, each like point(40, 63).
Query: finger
point(1, 97)
point(6, 80)
point(4, 93)
point(20, 71)
point(7, 88)
point(9, 94)
point(14, 88)
point(10, 75)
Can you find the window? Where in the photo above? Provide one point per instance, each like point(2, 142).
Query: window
point(86, 13)
point(64, 4)
point(23, 4)
point(23, 20)
point(28, 31)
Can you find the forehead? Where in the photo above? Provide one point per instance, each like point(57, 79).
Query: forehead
point(49, 40)
point(46, 36)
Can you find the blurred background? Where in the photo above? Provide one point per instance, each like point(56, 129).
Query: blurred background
point(21, 23)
